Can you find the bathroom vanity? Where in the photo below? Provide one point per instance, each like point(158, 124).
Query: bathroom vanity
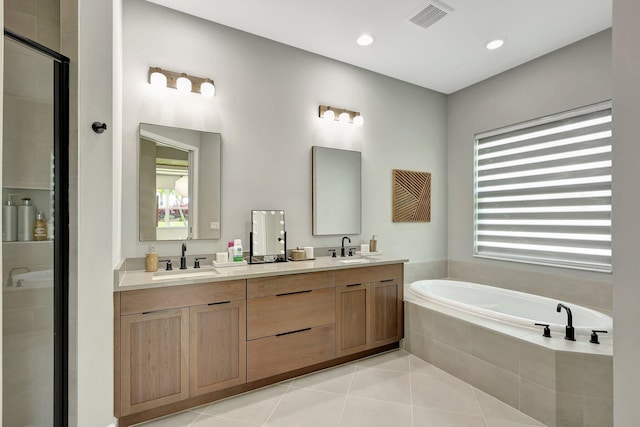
point(184, 342)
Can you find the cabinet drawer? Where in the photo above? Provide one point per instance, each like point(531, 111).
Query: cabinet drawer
point(369, 274)
point(266, 286)
point(274, 355)
point(289, 312)
point(146, 300)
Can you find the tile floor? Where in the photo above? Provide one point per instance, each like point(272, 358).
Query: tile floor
point(394, 389)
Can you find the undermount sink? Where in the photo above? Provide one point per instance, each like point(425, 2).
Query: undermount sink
point(184, 274)
point(353, 261)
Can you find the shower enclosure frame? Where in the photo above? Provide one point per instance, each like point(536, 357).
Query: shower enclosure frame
point(61, 221)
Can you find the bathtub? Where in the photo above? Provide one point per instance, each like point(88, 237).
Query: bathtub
point(486, 337)
point(512, 307)
point(31, 280)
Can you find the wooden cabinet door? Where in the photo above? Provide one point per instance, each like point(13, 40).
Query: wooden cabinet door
point(352, 318)
point(154, 364)
point(217, 346)
point(386, 312)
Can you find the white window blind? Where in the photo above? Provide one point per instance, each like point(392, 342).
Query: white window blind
point(543, 191)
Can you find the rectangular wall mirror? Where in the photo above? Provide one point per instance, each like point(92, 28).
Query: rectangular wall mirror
point(337, 196)
point(178, 183)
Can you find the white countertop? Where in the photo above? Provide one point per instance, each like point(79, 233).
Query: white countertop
point(139, 279)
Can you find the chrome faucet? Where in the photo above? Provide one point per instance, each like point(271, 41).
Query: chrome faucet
point(10, 276)
point(569, 331)
point(342, 254)
point(183, 258)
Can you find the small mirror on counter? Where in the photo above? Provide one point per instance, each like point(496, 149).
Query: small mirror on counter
point(179, 183)
point(268, 240)
point(336, 191)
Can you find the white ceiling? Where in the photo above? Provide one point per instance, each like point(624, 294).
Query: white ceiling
point(446, 57)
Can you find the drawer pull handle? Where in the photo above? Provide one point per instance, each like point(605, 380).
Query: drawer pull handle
point(218, 303)
point(293, 293)
point(293, 332)
point(355, 284)
point(156, 311)
point(387, 280)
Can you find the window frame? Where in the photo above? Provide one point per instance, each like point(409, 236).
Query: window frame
point(550, 258)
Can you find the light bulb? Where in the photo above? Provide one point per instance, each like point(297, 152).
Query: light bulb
point(495, 44)
point(358, 120)
point(365, 40)
point(183, 84)
point(157, 79)
point(207, 88)
point(329, 115)
point(344, 117)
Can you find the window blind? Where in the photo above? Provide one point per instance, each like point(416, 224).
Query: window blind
point(543, 191)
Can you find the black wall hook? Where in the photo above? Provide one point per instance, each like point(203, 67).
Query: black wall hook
point(98, 127)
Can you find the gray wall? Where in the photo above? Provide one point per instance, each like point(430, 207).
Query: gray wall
point(574, 76)
point(626, 202)
point(266, 111)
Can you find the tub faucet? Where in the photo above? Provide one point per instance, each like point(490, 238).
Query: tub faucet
point(342, 254)
point(10, 276)
point(183, 258)
point(569, 331)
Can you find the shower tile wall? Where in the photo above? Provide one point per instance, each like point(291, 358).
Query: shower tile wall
point(38, 20)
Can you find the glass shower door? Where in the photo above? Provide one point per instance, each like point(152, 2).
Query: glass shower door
point(28, 262)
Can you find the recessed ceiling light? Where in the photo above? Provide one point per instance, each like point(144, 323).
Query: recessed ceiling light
point(365, 40)
point(495, 44)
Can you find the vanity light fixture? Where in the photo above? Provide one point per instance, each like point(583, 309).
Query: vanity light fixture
point(340, 114)
point(183, 82)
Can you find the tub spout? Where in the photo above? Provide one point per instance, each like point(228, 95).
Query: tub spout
point(10, 277)
point(569, 331)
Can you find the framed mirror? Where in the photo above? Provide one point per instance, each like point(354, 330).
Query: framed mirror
point(268, 240)
point(337, 200)
point(178, 183)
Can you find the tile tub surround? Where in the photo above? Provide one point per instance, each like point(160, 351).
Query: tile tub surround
point(557, 382)
point(391, 389)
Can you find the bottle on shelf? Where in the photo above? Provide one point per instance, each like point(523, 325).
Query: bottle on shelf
point(26, 220)
point(40, 228)
point(9, 221)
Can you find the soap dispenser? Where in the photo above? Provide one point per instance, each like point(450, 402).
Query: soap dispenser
point(151, 261)
point(373, 243)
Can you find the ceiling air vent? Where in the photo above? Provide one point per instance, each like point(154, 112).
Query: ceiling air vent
point(429, 15)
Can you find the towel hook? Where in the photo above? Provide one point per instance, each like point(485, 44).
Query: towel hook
point(98, 127)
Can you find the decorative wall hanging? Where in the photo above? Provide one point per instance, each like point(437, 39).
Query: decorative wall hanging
point(411, 196)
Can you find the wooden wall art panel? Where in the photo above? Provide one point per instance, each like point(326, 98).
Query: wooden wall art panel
point(411, 196)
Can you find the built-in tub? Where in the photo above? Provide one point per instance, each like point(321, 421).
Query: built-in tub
point(517, 308)
point(486, 336)
point(31, 280)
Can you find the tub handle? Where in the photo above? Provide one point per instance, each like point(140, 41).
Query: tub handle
point(594, 336)
point(546, 332)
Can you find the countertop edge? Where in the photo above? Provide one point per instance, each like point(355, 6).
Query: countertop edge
point(139, 279)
